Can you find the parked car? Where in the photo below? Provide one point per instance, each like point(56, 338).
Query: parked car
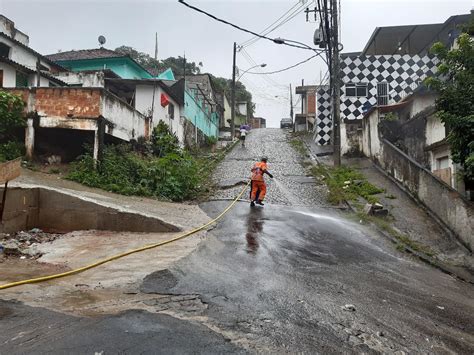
point(286, 123)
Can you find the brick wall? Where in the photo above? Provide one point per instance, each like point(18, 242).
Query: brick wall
point(71, 102)
point(255, 123)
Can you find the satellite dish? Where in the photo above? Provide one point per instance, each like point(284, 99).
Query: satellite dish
point(101, 40)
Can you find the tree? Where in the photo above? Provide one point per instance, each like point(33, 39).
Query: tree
point(12, 118)
point(241, 92)
point(177, 64)
point(11, 112)
point(454, 81)
point(156, 66)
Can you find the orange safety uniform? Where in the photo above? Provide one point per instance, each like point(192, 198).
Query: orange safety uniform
point(258, 182)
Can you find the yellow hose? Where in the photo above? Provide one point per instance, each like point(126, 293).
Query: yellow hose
point(118, 256)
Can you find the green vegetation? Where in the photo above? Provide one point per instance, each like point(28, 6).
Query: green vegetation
point(390, 116)
point(402, 239)
point(299, 146)
point(159, 169)
point(454, 81)
point(345, 184)
point(12, 119)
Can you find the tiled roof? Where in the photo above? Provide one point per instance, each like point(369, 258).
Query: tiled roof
point(82, 54)
point(31, 71)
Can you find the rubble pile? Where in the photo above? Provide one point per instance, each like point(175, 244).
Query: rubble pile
point(24, 244)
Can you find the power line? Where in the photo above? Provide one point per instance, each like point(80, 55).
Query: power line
point(291, 66)
point(236, 26)
point(285, 20)
point(251, 61)
point(266, 28)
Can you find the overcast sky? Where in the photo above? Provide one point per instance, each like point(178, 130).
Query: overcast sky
point(55, 25)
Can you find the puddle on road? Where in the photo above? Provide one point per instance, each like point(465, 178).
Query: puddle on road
point(16, 269)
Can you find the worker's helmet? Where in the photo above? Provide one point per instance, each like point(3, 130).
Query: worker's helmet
point(265, 159)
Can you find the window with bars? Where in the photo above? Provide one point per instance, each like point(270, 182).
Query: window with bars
point(21, 80)
point(356, 89)
point(382, 94)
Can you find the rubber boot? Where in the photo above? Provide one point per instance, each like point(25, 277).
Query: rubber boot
point(252, 203)
point(260, 202)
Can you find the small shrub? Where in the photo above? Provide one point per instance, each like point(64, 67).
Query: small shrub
point(210, 141)
point(163, 140)
point(11, 150)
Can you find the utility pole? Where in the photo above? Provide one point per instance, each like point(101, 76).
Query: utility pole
point(38, 73)
point(335, 94)
point(302, 100)
point(232, 108)
point(154, 83)
point(291, 107)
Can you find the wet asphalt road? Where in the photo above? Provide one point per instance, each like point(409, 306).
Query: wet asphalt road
point(279, 277)
point(273, 280)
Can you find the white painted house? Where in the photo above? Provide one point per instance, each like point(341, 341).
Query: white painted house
point(20, 64)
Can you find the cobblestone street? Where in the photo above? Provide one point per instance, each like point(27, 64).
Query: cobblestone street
point(290, 185)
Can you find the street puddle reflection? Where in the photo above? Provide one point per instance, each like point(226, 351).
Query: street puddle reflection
point(254, 228)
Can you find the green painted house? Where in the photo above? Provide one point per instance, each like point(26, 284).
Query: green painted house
point(102, 58)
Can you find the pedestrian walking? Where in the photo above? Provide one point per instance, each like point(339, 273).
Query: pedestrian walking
point(243, 134)
point(258, 187)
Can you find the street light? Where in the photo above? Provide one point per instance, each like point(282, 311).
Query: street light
point(280, 40)
point(249, 69)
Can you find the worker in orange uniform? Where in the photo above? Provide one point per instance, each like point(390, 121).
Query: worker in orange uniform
point(258, 187)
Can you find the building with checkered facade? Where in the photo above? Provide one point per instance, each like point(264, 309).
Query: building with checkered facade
point(371, 80)
point(392, 65)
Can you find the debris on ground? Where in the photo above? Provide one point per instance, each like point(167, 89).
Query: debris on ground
point(349, 308)
point(375, 209)
point(24, 244)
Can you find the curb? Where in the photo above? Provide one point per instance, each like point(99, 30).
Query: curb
point(423, 257)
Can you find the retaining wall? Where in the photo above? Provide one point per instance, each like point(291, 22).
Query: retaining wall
point(449, 206)
point(48, 209)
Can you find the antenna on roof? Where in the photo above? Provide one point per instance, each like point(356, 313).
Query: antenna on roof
point(101, 40)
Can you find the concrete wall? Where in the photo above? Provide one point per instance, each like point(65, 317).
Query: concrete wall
point(79, 108)
point(9, 75)
point(53, 210)
point(32, 81)
point(22, 55)
point(126, 122)
point(435, 130)
point(456, 212)
point(370, 140)
point(227, 112)
point(7, 26)
point(143, 103)
point(83, 79)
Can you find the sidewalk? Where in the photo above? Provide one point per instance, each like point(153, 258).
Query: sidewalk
point(408, 217)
